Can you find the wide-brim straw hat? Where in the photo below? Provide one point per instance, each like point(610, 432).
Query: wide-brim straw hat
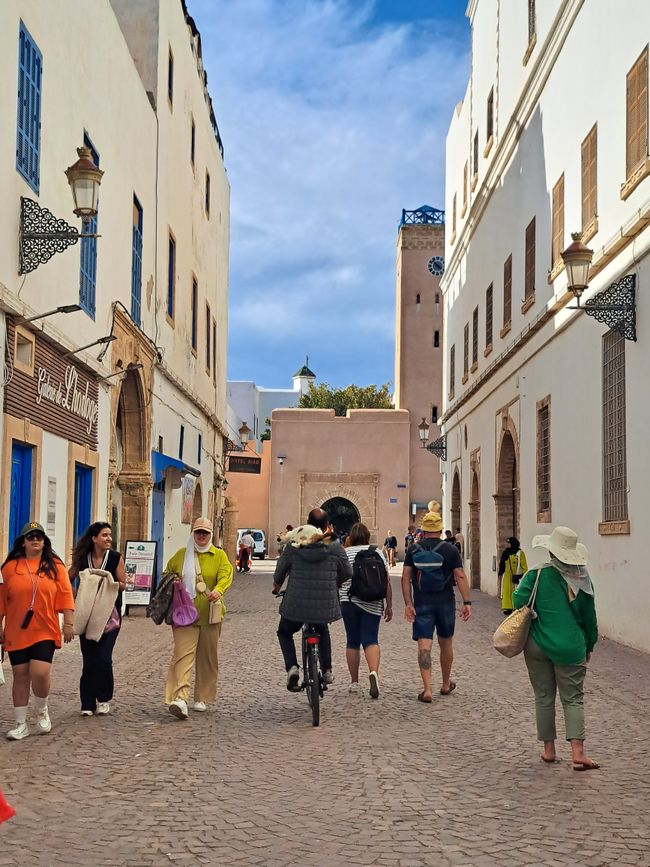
point(563, 544)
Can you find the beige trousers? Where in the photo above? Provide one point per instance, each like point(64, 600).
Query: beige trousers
point(194, 646)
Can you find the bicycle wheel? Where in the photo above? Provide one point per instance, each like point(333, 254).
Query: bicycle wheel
point(313, 685)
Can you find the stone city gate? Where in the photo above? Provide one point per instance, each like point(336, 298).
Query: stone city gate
point(359, 488)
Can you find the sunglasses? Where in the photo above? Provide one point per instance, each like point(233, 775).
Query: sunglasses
point(34, 537)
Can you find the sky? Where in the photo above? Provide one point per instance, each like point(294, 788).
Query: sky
point(333, 116)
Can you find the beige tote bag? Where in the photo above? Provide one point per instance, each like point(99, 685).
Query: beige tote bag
point(512, 634)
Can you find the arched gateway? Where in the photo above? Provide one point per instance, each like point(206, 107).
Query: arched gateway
point(342, 513)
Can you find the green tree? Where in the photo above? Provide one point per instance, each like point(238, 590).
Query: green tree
point(267, 433)
point(326, 396)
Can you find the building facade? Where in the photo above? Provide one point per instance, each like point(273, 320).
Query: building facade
point(130, 429)
point(540, 398)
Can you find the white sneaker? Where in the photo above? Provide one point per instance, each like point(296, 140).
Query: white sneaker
point(328, 677)
point(103, 707)
point(87, 713)
point(43, 722)
point(199, 706)
point(374, 684)
point(21, 731)
point(354, 689)
point(293, 677)
point(178, 709)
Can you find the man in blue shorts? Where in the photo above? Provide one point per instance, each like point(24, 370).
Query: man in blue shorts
point(434, 610)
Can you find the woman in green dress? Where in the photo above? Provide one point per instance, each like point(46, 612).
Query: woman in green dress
point(511, 568)
point(561, 639)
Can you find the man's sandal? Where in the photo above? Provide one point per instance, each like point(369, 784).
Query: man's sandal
point(422, 697)
point(452, 687)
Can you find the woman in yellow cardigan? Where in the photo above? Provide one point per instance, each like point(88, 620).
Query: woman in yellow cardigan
point(512, 567)
point(206, 573)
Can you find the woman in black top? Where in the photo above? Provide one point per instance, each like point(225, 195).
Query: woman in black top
point(94, 551)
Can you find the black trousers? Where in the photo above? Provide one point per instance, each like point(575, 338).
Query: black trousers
point(288, 628)
point(96, 682)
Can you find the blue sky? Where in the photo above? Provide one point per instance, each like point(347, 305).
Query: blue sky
point(333, 115)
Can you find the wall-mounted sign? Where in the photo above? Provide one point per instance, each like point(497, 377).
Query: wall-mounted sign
point(69, 395)
point(187, 499)
point(244, 464)
point(140, 566)
point(393, 500)
point(51, 506)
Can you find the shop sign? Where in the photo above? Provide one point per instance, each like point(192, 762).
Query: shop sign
point(68, 395)
point(244, 464)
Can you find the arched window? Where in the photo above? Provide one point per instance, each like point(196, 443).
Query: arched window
point(436, 339)
point(434, 415)
point(417, 298)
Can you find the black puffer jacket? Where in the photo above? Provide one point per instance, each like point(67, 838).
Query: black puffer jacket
point(315, 571)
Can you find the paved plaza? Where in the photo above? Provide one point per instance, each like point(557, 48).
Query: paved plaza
point(387, 782)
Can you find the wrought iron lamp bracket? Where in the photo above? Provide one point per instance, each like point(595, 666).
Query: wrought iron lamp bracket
point(42, 235)
point(615, 307)
point(438, 447)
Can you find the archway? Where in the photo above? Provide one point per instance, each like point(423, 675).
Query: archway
point(342, 513)
point(507, 495)
point(455, 503)
point(475, 531)
point(131, 490)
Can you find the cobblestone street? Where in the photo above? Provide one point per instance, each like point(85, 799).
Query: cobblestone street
point(387, 782)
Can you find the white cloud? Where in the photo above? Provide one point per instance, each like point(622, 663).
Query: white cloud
point(331, 126)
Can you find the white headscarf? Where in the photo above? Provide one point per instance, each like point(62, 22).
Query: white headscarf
point(189, 562)
point(577, 577)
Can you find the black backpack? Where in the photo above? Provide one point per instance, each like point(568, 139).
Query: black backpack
point(369, 576)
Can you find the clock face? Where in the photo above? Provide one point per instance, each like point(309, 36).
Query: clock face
point(437, 266)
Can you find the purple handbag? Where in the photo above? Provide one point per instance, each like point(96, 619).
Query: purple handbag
point(183, 611)
point(113, 621)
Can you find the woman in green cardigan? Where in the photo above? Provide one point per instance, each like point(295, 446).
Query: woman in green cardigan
point(561, 640)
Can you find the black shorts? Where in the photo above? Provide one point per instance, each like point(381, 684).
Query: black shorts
point(42, 651)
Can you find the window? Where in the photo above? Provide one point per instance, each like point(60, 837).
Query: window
point(452, 371)
point(490, 116)
point(171, 276)
point(507, 292)
point(24, 350)
point(531, 20)
point(181, 443)
point(417, 298)
point(614, 435)
point(436, 339)
point(557, 242)
point(195, 309)
point(466, 351)
point(192, 142)
point(88, 267)
point(170, 77)
point(544, 460)
point(136, 262)
point(160, 445)
point(475, 166)
point(529, 277)
point(207, 193)
point(637, 114)
point(590, 183)
point(208, 334)
point(200, 449)
point(465, 173)
point(434, 415)
point(28, 127)
point(214, 351)
point(453, 219)
point(475, 338)
point(489, 303)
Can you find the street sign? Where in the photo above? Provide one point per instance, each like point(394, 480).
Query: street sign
point(244, 464)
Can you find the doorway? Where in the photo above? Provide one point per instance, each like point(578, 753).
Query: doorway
point(455, 504)
point(158, 526)
point(83, 498)
point(475, 532)
point(507, 496)
point(21, 489)
point(342, 514)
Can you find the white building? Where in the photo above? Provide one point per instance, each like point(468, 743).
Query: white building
point(542, 402)
point(126, 79)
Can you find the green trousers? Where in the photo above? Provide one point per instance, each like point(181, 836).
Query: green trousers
point(547, 678)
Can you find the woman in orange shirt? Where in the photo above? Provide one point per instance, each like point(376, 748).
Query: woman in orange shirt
point(35, 589)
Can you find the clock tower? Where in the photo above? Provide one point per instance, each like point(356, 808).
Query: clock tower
point(418, 344)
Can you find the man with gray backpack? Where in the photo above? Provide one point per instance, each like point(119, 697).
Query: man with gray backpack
point(430, 567)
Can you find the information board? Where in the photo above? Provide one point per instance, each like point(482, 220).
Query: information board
point(140, 567)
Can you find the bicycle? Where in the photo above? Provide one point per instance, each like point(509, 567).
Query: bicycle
point(312, 677)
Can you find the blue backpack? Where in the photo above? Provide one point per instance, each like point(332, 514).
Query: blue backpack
point(429, 574)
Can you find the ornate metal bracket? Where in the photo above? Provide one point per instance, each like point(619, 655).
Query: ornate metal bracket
point(439, 447)
point(615, 306)
point(41, 235)
point(423, 214)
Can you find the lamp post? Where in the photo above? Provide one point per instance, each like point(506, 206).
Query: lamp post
point(423, 432)
point(437, 447)
point(244, 434)
point(41, 233)
point(577, 260)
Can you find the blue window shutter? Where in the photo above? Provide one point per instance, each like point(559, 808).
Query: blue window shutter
point(171, 277)
point(195, 304)
point(88, 271)
point(181, 441)
point(136, 262)
point(28, 127)
point(200, 446)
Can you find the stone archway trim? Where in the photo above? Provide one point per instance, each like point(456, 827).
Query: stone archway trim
point(317, 488)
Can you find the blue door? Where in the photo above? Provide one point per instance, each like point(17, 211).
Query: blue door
point(83, 496)
point(21, 489)
point(158, 525)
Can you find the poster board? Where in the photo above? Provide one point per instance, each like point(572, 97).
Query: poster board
point(140, 567)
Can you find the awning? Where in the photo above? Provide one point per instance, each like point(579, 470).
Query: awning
point(160, 463)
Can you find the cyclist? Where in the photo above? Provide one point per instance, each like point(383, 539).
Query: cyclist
point(316, 565)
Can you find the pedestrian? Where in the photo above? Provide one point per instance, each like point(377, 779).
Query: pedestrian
point(206, 574)
point(35, 589)
point(561, 640)
point(94, 550)
point(390, 545)
point(460, 543)
point(430, 568)
point(409, 539)
point(512, 566)
point(246, 547)
point(449, 537)
point(316, 565)
point(362, 618)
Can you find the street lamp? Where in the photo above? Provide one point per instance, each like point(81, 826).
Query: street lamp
point(244, 434)
point(437, 447)
point(42, 234)
point(64, 308)
point(614, 306)
point(423, 431)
